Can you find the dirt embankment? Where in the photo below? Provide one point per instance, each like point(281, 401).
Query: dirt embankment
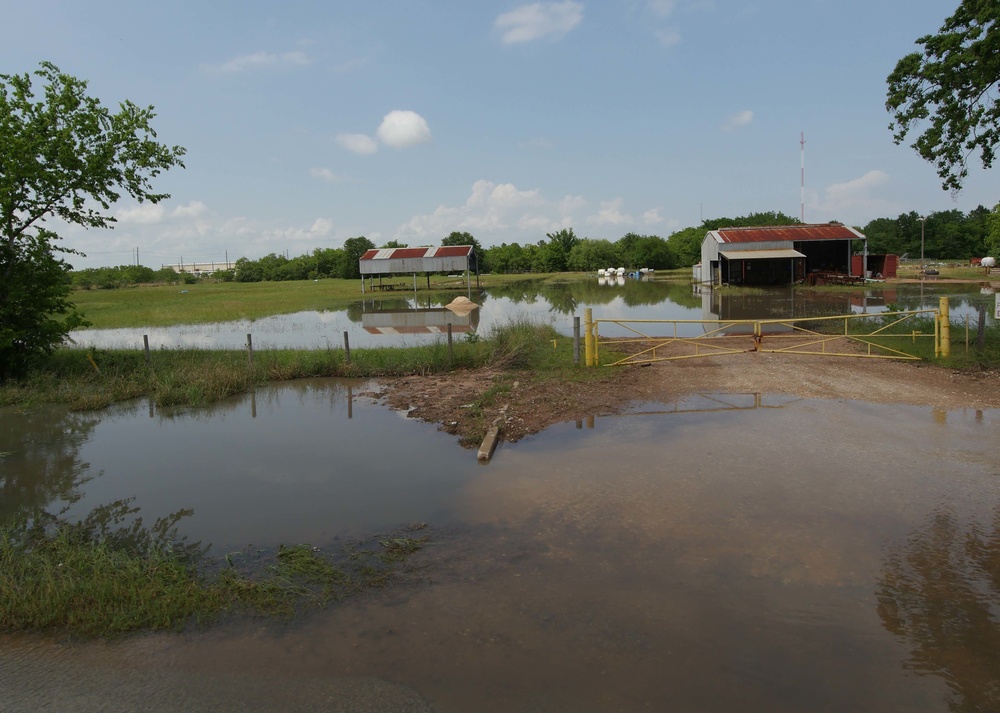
point(466, 402)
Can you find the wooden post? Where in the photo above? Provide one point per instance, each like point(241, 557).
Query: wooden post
point(145, 346)
point(250, 350)
point(347, 348)
point(576, 341)
point(981, 329)
point(451, 355)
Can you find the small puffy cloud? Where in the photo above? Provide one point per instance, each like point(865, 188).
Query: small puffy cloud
point(537, 20)
point(853, 201)
point(610, 214)
point(193, 209)
point(661, 8)
point(652, 217)
point(324, 174)
point(358, 143)
point(141, 214)
point(668, 36)
point(402, 129)
point(260, 60)
point(737, 120)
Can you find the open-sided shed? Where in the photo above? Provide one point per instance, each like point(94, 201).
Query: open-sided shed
point(778, 255)
point(407, 261)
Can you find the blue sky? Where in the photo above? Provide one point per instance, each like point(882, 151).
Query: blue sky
point(307, 123)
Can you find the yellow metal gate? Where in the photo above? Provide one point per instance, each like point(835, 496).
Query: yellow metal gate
point(885, 335)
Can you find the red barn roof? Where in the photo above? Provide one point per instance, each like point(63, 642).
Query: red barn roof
point(787, 233)
point(401, 253)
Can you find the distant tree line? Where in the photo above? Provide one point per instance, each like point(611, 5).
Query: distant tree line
point(949, 235)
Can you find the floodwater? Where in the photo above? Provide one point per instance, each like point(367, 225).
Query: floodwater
point(407, 319)
point(724, 553)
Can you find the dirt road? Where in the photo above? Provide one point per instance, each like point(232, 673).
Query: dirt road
point(465, 402)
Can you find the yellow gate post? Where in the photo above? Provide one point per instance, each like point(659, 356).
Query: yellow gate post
point(945, 328)
point(588, 337)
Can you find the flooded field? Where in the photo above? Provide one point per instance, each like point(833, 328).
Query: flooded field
point(420, 317)
point(724, 553)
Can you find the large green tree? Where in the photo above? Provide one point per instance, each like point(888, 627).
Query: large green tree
point(354, 248)
point(952, 86)
point(63, 156)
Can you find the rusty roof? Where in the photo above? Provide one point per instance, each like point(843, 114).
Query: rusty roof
point(401, 253)
point(787, 233)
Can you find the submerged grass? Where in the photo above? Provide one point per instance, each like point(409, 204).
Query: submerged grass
point(60, 577)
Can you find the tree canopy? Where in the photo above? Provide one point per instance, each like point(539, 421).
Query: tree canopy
point(952, 85)
point(67, 157)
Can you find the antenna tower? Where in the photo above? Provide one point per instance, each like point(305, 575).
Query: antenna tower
point(802, 213)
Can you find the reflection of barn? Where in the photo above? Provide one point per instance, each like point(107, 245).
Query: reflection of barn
point(407, 261)
point(419, 321)
point(777, 255)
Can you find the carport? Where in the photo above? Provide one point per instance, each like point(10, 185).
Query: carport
point(762, 267)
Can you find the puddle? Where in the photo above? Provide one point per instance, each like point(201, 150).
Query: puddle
point(728, 553)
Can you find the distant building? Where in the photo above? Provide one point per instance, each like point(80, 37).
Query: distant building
point(410, 261)
point(779, 255)
point(199, 268)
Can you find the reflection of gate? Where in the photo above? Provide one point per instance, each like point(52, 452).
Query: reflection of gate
point(886, 335)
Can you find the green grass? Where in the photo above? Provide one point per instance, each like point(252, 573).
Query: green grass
point(93, 379)
point(206, 302)
point(85, 582)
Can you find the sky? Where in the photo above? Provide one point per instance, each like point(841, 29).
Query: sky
point(308, 123)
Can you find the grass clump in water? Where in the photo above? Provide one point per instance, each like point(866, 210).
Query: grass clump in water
point(96, 579)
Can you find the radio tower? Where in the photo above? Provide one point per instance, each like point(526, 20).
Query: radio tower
point(802, 143)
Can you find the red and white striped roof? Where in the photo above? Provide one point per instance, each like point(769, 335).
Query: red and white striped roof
point(401, 253)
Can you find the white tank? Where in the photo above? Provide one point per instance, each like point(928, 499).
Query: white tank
point(989, 262)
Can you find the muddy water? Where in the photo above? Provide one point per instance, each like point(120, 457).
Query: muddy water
point(728, 553)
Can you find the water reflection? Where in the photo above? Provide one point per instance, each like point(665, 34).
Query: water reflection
point(552, 302)
point(42, 463)
point(300, 462)
point(940, 593)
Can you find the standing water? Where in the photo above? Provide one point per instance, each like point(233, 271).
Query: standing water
point(725, 553)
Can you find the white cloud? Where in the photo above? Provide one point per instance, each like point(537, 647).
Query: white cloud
point(738, 119)
point(661, 8)
point(259, 60)
point(497, 212)
point(853, 202)
point(324, 174)
point(538, 20)
point(141, 214)
point(190, 210)
point(358, 143)
point(652, 216)
point(668, 36)
point(402, 129)
point(610, 214)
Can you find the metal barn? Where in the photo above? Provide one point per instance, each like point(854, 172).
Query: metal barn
point(779, 255)
point(406, 261)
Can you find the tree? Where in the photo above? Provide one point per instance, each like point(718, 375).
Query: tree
point(354, 248)
point(62, 156)
point(953, 86)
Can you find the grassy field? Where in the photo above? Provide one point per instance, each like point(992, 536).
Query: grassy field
point(203, 302)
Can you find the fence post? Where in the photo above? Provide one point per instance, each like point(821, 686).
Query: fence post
point(588, 336)
point(451, 356)
point(981, 329)
point(347, 349)
point(145, 347)
point(945, 328)
point(576, 341)
point(250, 350)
